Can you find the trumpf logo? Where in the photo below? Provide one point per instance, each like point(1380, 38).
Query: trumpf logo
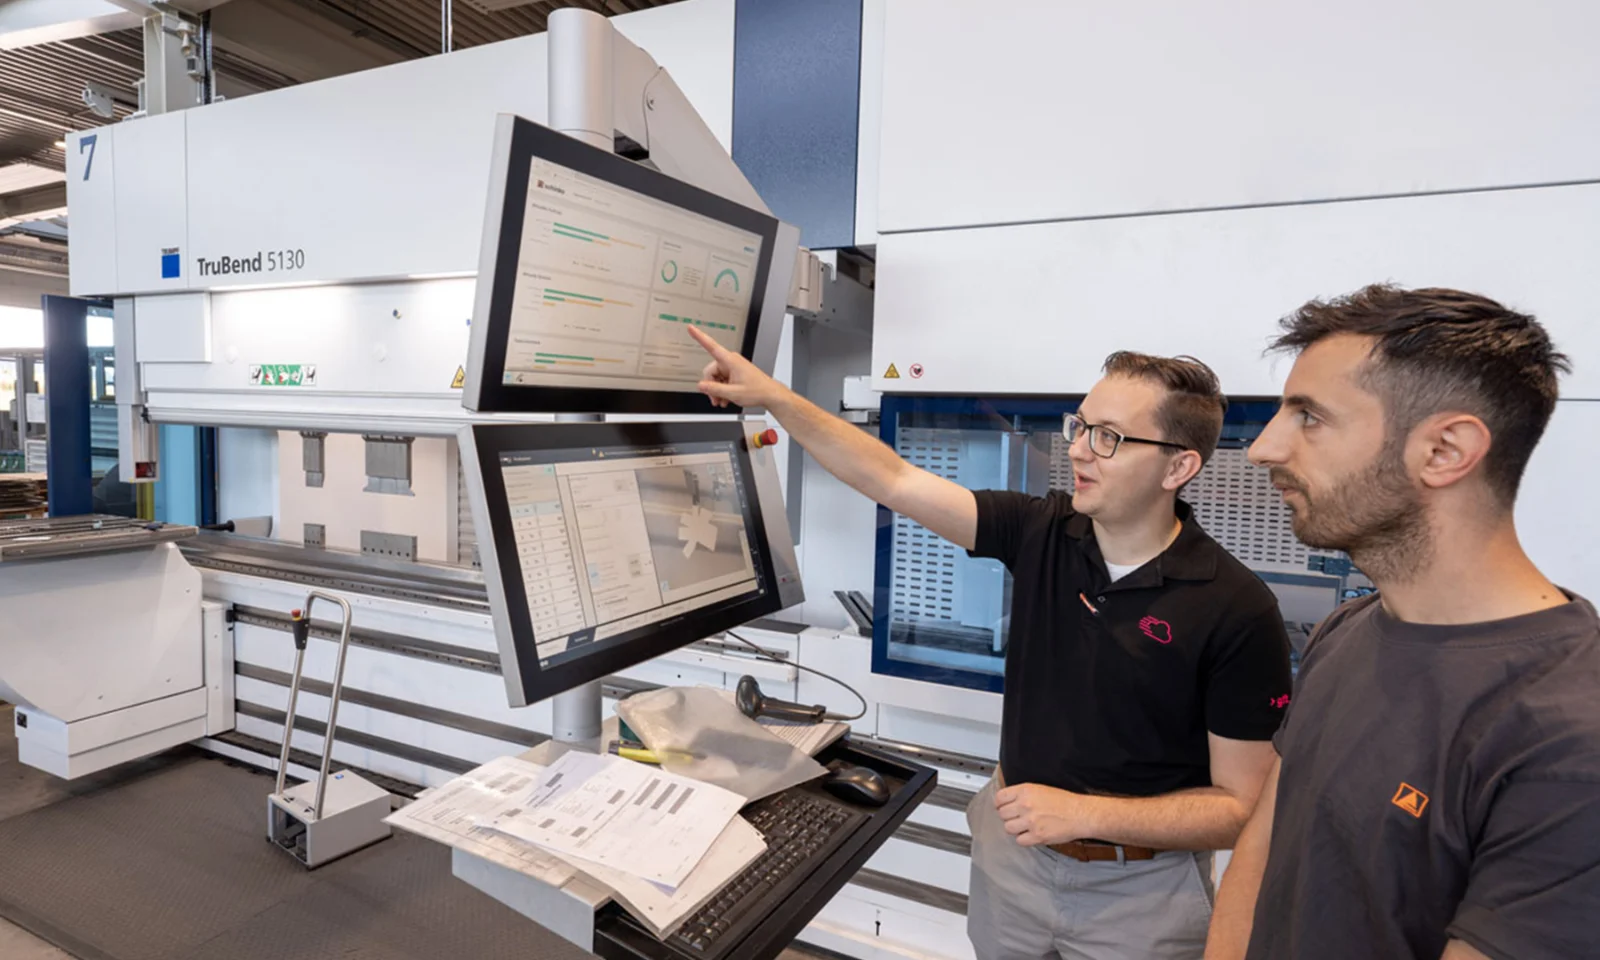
point(171, 265)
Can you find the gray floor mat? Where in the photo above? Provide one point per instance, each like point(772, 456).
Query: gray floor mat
point(173, 864)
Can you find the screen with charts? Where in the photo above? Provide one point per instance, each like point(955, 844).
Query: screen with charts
point(609, 279)
point(594, 268)
point(610, 541)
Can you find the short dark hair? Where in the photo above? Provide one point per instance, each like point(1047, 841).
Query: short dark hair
point(1440, 350)
point(1191, 412)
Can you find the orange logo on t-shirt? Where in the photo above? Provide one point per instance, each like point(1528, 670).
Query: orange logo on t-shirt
point(1410, 799)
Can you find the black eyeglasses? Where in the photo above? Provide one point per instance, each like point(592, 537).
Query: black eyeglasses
point(1103, 440)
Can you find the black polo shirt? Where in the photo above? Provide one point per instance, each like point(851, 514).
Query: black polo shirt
point(1112, 687)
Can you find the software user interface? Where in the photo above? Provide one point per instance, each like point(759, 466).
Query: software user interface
point(614, 539)
point(609, 279)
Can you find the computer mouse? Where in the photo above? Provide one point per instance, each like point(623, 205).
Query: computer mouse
point(857, 785)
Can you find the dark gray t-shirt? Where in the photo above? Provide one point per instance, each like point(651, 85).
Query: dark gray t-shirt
point(1438, 783)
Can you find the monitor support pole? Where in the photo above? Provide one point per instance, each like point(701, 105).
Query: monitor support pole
point(581, 57)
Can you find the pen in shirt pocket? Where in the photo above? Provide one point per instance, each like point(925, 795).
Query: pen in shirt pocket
point(1092, 608)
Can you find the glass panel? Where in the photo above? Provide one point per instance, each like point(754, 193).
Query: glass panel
point(946, 610)
point(945, 617)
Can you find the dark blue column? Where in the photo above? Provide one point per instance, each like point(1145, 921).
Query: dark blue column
point(208, 475)
point(796, 106)
point(66, 387)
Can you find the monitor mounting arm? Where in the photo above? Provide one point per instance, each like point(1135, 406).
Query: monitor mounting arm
point(651, 122)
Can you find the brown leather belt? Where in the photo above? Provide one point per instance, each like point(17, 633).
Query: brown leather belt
point(1091, 851)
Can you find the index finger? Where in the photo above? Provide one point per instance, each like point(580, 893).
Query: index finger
point(711, 346)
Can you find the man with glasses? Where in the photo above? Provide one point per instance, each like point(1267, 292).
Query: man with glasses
point(1146, 673)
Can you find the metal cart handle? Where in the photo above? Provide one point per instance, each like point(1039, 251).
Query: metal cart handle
point(302, 633)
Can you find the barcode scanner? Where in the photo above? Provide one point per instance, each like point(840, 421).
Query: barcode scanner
point(754, 704)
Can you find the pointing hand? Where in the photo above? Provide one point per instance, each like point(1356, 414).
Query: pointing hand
point(730, 378)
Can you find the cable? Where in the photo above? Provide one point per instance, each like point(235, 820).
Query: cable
point(798, 666)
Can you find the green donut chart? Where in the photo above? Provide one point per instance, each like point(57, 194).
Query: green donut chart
point(669, 271)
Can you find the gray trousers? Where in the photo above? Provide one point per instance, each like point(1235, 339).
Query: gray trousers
point(1031, 903)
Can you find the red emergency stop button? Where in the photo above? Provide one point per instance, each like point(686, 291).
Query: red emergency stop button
point(765, 438)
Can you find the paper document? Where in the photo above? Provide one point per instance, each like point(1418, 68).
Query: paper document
point(809, 738)
point(633, 818)
point(663, 912)
point(458, 814)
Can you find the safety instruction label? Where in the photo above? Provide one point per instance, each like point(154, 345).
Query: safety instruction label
point(283, 375)
point(460, 380)
point(892, 373)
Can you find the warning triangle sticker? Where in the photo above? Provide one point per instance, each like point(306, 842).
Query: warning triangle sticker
point(891, 373)
point(460, 380)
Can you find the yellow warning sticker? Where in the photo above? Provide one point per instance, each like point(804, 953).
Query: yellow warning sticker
point(460, 380)
point(891, 373)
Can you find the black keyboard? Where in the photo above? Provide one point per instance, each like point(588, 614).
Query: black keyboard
point(800, 829)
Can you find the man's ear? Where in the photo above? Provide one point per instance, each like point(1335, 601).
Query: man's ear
point(1181, 468)
point(1447, 447)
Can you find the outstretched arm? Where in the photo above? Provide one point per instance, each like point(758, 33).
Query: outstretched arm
point(861, 461)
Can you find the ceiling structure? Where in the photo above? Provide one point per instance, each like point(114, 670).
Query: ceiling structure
point(258, 45)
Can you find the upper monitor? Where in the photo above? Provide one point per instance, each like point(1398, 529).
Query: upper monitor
point(593, 267)
point(611, 543)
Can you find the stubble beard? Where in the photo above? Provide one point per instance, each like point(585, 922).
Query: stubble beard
point(1375, 515)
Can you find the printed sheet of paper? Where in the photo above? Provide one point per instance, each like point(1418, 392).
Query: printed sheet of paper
point(808, 738)
point(459, 813)
point(636, 819)
point(662, 910)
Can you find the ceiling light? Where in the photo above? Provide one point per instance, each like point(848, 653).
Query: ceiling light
point(61, 144)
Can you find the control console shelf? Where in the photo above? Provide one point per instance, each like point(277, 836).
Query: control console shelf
point(618, 937)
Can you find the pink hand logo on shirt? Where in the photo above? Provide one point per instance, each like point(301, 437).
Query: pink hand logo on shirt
point(1158, 630)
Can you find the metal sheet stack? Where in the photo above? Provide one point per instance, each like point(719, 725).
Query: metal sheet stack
point(22, 494)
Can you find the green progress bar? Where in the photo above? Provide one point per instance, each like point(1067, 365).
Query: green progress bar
point(572, 236)
point(575, 296)
point(555, 299)
point(560, 356)
point(698, 323)
point(591, 233)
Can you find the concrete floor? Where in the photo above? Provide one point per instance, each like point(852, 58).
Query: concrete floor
point(18, 944)
point(23, 789)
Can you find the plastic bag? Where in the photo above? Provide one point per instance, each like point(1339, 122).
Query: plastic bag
point(699, 733)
